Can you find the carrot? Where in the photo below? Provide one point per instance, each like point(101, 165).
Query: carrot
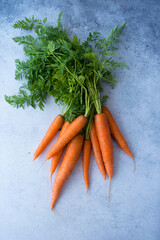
point(69, 162)
point(75, 127)
point(51, 132)
point(116, 133)
point(105, 142)
point(86, 159)
point(97, 150)
point(56, 158)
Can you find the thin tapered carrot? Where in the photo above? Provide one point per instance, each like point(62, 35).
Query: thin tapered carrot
point(86, 160)
point(116, 133)
point(105, 142)
point(56, 158)
point(51, 132)
point(68, 164)
point(75, 127)
point(97, 150)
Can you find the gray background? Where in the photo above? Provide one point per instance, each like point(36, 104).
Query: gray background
point(133, 211)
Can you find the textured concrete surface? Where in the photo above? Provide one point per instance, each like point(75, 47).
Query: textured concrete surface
point(133, 212)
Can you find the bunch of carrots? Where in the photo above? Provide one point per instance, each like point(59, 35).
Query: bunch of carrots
point(74, 74)
point(102, 127)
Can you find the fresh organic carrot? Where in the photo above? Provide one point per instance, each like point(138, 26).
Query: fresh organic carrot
point(69, 162)
point(97, 150)
point(51, 132)
point(75, 127)
point(116, 133)
point(105, 142)
point(86, 159)
point(56, 158)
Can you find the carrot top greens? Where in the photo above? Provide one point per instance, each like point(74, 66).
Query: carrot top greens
point(59, 66)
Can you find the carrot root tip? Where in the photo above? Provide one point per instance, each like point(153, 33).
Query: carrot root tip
point(109, 188)
point(41, 165)
point(87, 196)
point(134, 167)
point(51, 181)
point(56, 214)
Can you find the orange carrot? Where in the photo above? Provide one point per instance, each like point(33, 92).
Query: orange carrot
point(68, 164)
point(105, 142)
point(97, 150)
point(86, 159)
point(75, 127)
point(51, 132)
point(56, 158)
point(116, 132)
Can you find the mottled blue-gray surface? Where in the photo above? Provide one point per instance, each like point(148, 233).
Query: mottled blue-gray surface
point(133, 212)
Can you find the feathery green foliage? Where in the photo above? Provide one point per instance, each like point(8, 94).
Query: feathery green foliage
point(59, 66)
